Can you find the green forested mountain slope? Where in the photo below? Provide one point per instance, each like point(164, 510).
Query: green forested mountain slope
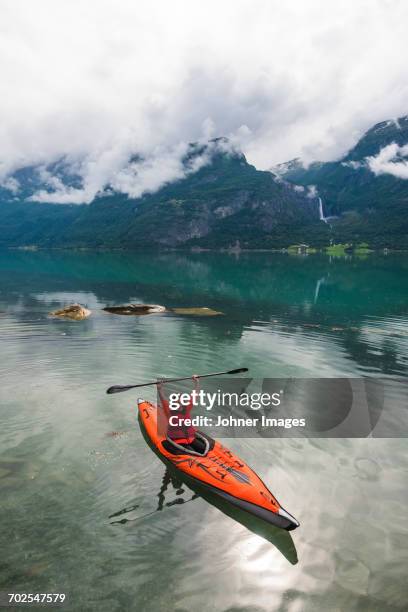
point(364, 198)
point(225, 201)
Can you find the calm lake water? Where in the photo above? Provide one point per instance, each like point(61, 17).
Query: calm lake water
point(62, 472)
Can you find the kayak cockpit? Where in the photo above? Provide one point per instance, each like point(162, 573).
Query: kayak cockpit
point(199, 448)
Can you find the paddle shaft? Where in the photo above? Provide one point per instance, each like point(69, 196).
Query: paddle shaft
point(120, 388)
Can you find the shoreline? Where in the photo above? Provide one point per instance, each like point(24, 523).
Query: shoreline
point(233, 251)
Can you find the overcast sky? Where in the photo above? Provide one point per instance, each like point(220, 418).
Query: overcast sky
point(98, 79)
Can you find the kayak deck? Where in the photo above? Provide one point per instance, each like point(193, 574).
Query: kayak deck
point(220, 470)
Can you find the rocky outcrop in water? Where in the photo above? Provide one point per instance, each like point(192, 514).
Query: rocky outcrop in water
point(135, 309)
point(200, 312)
point(76, 312)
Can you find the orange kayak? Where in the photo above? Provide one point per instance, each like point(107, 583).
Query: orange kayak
point(217, 469)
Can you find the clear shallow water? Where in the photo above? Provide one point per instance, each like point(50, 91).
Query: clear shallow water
point(61, 475)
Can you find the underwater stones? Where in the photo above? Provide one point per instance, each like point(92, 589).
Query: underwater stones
point(37, 569)
point(351, 573)
point(115, 434)
point(14, 472)
point(200, 312)
point(367, 469)
point(4, 472)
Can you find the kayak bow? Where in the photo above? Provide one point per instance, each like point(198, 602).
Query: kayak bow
point(219, 471)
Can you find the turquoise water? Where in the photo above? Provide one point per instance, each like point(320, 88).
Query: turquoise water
point(63, 470)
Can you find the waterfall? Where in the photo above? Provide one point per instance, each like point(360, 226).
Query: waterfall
point(321, 214)
point(317, 290)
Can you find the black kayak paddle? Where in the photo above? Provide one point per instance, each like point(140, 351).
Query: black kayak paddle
point(120, 388)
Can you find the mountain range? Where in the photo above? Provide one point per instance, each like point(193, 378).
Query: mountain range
point(227, 202)
point(366, 191)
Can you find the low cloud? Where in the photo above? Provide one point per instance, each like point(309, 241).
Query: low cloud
point(95, 85)
point(355, 165)
point(134, 177)
point(11, 184)
point(312, 192)
point(390, 160)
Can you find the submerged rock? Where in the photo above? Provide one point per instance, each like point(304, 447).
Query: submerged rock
point(37, 569)
point(201, 312)
point(367, 469)
point(10, 467)
point(14, 472)
point(76, 312)
point(115, 434)
point(351, 573)
point(135, 309)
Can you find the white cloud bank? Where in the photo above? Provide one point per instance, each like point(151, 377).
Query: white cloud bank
point(390, 160)
point(98, 81)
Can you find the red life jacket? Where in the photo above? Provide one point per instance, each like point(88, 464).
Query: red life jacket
point(180, 432)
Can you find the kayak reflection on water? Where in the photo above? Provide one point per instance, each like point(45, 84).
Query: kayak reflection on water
point(281, 539)
point(167, 479)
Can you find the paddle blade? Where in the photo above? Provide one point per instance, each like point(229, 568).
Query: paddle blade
point(118, 389)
